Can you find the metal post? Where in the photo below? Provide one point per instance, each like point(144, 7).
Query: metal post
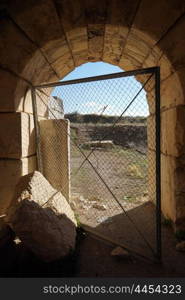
point(37, 131)
point(158, 163)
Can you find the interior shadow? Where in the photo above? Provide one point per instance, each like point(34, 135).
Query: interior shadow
point(17, 258)
point(136, 230)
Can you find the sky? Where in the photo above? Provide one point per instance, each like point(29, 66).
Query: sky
point(107, 97)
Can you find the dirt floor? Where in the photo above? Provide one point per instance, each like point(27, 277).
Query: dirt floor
point(125, 173)
point(117, 208)
point(99, 262)
point(92, 258)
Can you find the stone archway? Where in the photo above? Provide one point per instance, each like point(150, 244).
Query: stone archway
point(42, 41)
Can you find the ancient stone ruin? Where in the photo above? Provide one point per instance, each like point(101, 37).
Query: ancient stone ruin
point(42, 218)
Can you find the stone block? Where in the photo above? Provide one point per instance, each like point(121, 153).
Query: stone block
point(12, 91)
point(64, 65)
point(10, 135)
point(167, 187)
point(11, 171)
point(55, 149)
point(168, 12)
point(131, 49)
point(11, 41)
point(173, 131)
point(181, 76)
point(158, 58)
point(173, 44)
point(114, 40)
point(16, 135)
point(41, 101)
point(95, 41)
point(27, 135)
point(78, 42)
point(171, 92)
point(168, 200)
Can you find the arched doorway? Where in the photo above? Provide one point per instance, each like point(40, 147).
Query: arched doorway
point(82, 31)
point(106, 152)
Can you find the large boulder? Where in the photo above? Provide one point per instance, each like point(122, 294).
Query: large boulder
point(42, 218)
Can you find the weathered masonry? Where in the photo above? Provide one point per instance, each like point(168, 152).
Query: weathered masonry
point(41, 41)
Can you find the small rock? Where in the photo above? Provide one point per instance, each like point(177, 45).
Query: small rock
point(94, 199)
point(120, 253)
point(103, 220)
point(92, 202)
point(73, 205)
point(84, 206)
point(17, 241)
point(81, 198)
point(100, 206)
point(181, 246)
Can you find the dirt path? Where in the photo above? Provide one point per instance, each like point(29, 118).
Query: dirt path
point(125, 173)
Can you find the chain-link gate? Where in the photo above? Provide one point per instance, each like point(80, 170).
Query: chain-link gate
point(98, 141)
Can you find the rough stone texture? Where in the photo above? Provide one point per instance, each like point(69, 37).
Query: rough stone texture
point(119, 15)
point(26, 105)
point(52, 49)
point(27, 135)
point(42, 218)
point(168, 188)
point(72, 16)
point(95, 41)
point(36, 186)
point(156, 57)
point(55, 148)
point(167, 12)
point(27, 62)
point(10, 135)
point(174, 44)
point(171, 92)
point(173, 135)
point(11, 171)
point(95, 18)
point(19, 140)
point(48, 236)
point(173, 189)
point(12, 91)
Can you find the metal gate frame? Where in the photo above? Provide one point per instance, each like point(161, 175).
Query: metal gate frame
point(153, 71)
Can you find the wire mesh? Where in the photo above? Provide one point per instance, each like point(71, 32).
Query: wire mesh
point(100, 151)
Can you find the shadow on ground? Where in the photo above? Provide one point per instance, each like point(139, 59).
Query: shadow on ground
point(92, 257)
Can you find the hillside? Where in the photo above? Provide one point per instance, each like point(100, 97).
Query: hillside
point(75, 117)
